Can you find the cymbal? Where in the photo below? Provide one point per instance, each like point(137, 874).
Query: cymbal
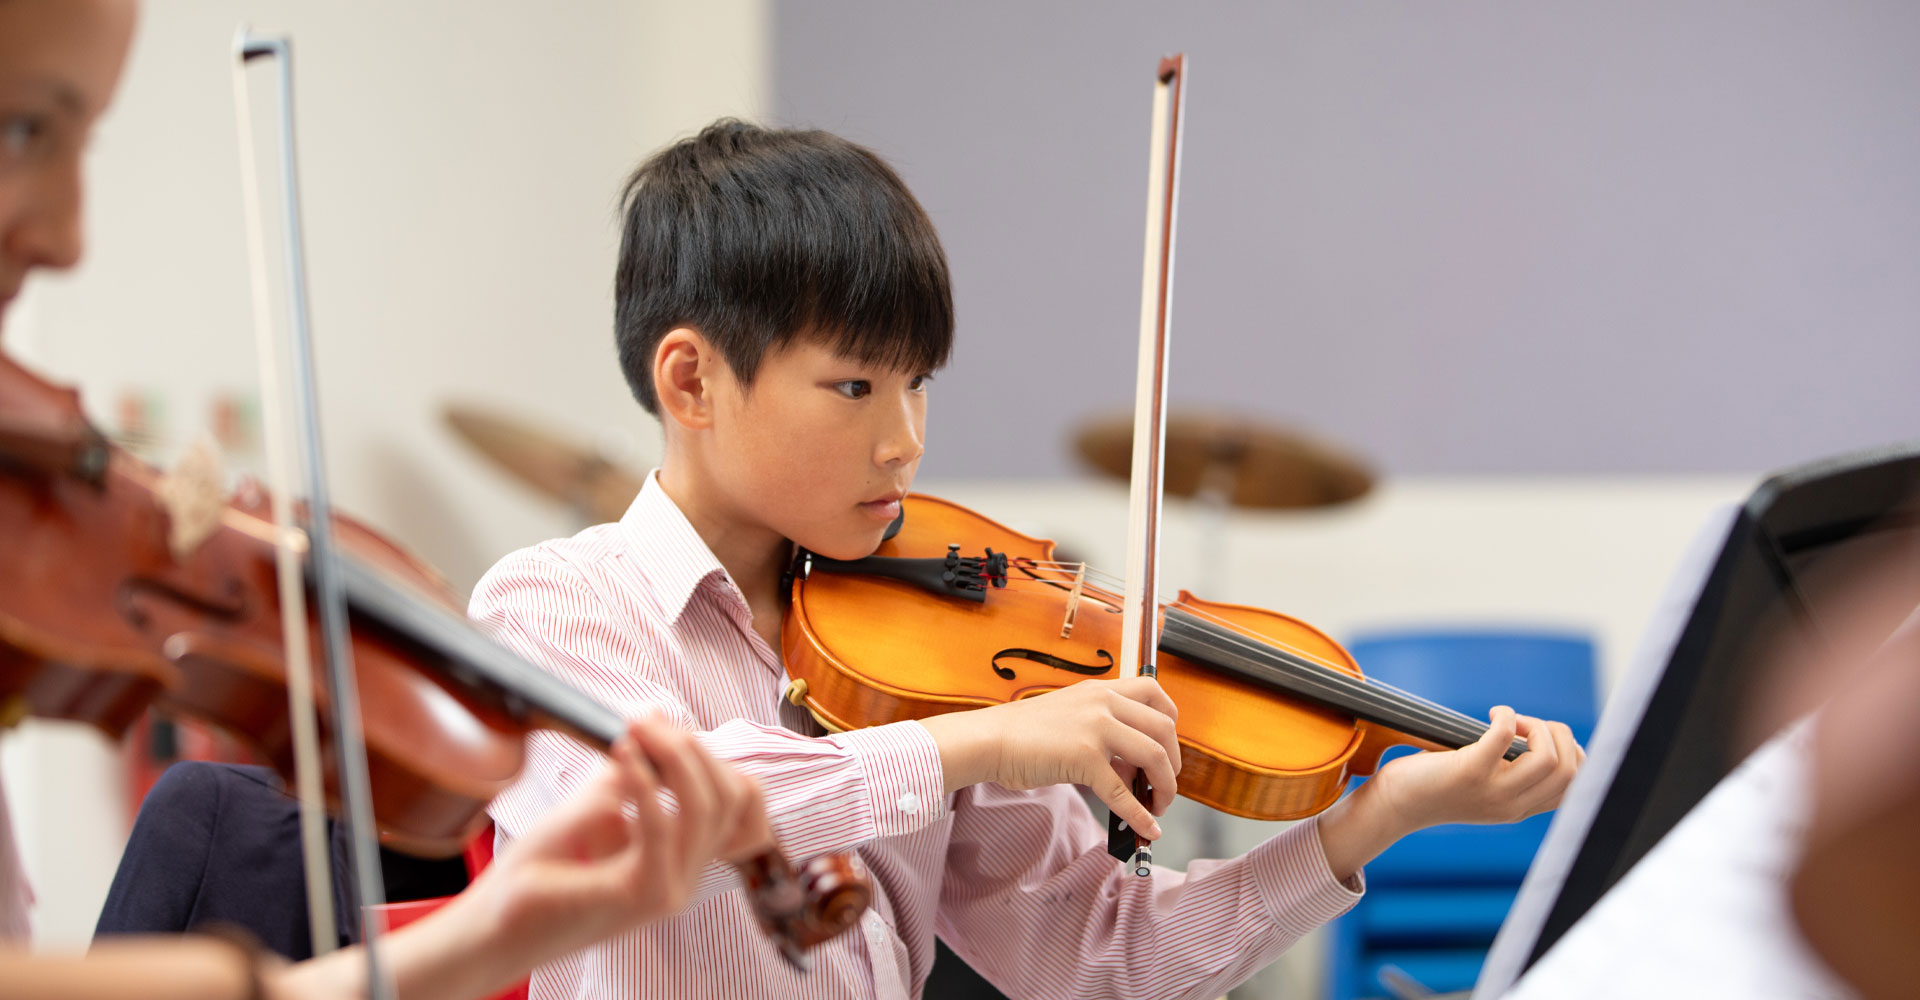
point(570, 473)
point(1253, 464)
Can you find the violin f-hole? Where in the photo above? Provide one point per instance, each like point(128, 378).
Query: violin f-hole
point(1086, 669)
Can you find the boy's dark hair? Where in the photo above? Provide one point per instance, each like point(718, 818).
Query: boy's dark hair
point(754, 236)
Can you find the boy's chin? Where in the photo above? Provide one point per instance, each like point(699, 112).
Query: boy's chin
point(846, 547)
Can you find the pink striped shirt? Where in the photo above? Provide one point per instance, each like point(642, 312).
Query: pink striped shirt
point(640, 614)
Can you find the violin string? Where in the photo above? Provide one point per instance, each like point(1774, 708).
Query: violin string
point(1108, 580)
point(1422, 715)
point(1336, 689)
point(1100, 577)
point(1433, 713)
point(1249, 639)
point(1230, 635)
point(1438, 718)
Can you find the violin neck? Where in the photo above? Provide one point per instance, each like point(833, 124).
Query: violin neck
point(1250, 659)
point(484, 668)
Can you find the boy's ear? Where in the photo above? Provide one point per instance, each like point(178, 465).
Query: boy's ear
point(683, 370)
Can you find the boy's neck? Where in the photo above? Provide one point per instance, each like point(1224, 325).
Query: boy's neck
point(754, 555)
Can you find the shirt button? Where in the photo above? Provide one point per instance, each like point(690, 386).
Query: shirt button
point(909, 803)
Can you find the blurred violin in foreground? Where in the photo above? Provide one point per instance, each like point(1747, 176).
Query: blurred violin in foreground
point(128, 587)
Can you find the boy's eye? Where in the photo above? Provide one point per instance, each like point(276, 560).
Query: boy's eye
point(919, 382)
point(854, 388)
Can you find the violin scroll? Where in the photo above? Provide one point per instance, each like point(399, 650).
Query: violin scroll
point(799, 910)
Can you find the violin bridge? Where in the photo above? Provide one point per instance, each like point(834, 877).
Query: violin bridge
point(193, 497)
point(1073, 600)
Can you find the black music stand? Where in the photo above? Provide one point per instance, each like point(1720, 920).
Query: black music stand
point(1668, 734)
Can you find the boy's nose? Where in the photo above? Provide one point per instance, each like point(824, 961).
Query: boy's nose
point(903, 441)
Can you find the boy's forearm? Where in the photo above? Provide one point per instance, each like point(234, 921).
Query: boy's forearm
point(965, 751)
point(1354, 830)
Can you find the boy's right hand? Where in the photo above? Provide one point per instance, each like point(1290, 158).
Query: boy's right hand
point(1071, 735)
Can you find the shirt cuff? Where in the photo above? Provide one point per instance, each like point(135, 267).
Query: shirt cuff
point(1294, 879)
point(905, 782)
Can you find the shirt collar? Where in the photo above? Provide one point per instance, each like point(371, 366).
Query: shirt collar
point(671, 555)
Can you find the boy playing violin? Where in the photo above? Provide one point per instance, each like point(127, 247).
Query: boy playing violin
point(781, 305)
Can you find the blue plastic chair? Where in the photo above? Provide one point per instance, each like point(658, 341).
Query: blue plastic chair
point(1435, 899)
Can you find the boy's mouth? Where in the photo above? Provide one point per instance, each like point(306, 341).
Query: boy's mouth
point(885, 507)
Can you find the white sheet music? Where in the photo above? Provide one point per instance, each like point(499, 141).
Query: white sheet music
point(1704, 914)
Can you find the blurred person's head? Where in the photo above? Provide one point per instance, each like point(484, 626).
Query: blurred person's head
point(60, 61)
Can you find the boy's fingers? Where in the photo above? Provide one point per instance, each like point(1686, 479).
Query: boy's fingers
point(1148, 692)
point(1492, 745)
point(1570, 757)
point(1541, 759)
point(1156, 726)
point(1144, 752)
point(1112, 789)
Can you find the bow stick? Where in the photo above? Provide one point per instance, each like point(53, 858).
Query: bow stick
point(1140, 622)
point(356, 800)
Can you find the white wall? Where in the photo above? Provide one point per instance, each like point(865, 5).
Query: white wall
point(461, 164)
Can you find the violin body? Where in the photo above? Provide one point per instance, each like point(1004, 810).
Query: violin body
point(429, 794)
point(63, 655)
point(873, 650)
point(100, 616)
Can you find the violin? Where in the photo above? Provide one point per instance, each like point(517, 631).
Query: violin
point(956, 611)
point(126, 587)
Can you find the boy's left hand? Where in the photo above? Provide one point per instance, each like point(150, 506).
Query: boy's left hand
point(1476, 784)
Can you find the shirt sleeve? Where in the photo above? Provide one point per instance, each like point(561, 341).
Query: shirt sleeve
point(824, 795)
point(1033, 902)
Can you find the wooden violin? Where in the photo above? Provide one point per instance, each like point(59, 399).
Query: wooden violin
point(126, 587)
point(956, 612)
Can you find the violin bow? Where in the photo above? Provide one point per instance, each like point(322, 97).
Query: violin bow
point(356, 800)
point(1140, 622)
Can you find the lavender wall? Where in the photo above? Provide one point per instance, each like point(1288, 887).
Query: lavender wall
point(1640, 236)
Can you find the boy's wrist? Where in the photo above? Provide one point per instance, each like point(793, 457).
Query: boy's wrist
point(1354, 830)
point(966, 753)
